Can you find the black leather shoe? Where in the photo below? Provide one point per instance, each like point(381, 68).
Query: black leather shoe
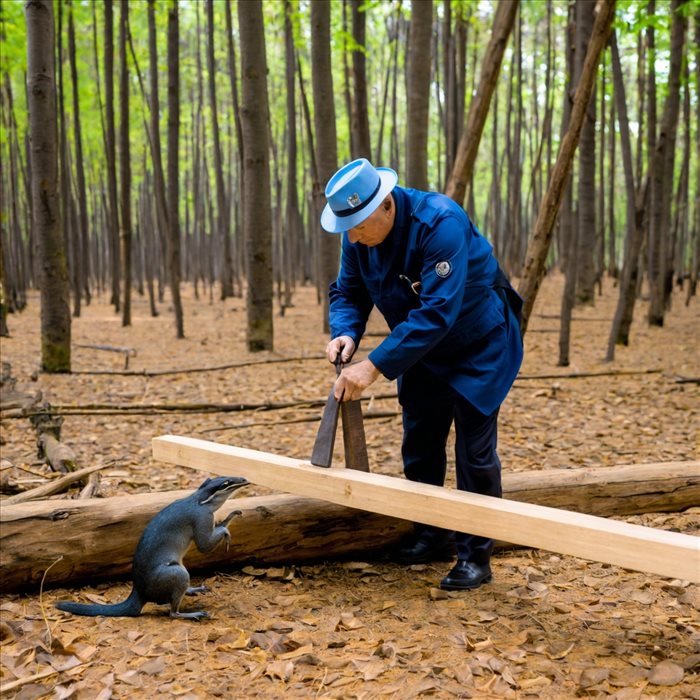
point(427, 547)
point(465, 576)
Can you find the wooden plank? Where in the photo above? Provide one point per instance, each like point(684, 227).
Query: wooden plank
point(670, 554)
point(94, 539)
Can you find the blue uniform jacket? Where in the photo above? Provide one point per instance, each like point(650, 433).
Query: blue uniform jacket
point(457, 324)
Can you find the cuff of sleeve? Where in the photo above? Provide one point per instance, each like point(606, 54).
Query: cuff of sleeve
point(380, 360)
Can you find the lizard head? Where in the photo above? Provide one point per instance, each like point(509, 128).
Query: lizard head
point(215, 491)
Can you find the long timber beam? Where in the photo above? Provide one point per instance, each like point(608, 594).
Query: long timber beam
point(669, 554)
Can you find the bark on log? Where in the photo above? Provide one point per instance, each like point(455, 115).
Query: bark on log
point(96, 537)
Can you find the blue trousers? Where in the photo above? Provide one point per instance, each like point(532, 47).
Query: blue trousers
point(429, 409)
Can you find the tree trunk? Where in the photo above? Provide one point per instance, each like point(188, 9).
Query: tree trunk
point(286, 528)
point(619, 332)
point(326, 142)
point(540, 240)
point(233, 77)
point(291, 259)
point(65, 180)
point(449, 124)
point(393, 38)
point(154, 124)
point(256, 176)
point(198, 171)
point(567, 224)
point(41, 102)
point(546, 132)
point(222, 204)
point(479, 107)
point(515, 156)
point(495, 213)
point(612, 267)
point(579, 254)
point(585, 265)
point(83, 264)
point(4, 330)
point(347, 90)
point(125, 163)
point(599, 251)
point(17, 263)
point(173, 217)
point(111, 158)
point(394, 149)
point(360, 120)
point(676, 256)
point(662, 172)
point(418, 94)
point(568, 298)
point(695, 264)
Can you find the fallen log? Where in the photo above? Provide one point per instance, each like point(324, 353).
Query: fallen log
point(96, 537)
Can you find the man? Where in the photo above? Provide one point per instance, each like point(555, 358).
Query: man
point(455, 344)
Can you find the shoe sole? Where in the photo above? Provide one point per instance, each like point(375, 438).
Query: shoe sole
point(453, 587)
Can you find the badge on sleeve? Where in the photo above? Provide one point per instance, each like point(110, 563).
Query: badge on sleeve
point(443, 268)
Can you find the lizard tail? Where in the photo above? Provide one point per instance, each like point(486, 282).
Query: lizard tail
point(131, 607)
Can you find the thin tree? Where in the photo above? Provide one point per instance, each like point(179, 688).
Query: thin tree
point(418, 90)
point(222, 204)
point(392, 37)
point(124, 163)
point(347, 91)
point(233, 77)
point(479, 107)
point(173, 238)
point(83, 265)
point(541, 238)
point(292, 217)
point(449, 122)
point(695, 264)
point(662, 172)
point(612, 267)
point(4, 330)
point(515, 154)
point(584, 270)
point(566, 222)
point(256, 176)
point(360, 118)
point(111, 158)
point(676, 253)
point(579, 254)
point(154, 125)
point(41, 102)
point(70, 235)
point(326, 141)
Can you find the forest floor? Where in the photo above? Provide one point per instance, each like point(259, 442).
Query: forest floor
point(548, 626)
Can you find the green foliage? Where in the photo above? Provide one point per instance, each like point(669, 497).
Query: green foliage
point(387, 22)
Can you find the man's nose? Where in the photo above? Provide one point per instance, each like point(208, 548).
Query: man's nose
point(353, 235)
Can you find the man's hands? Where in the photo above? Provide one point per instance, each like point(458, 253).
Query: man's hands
point(354, 379)
point(343, 345)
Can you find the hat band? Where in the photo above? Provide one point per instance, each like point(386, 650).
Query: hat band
point(360, 207)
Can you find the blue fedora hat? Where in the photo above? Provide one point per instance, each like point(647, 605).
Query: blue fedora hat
point(353, 193)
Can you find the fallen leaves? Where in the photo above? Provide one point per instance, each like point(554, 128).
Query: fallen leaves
point(666, 673)
point(548, 627)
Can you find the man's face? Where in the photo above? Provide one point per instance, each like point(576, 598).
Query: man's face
point(375, 228)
